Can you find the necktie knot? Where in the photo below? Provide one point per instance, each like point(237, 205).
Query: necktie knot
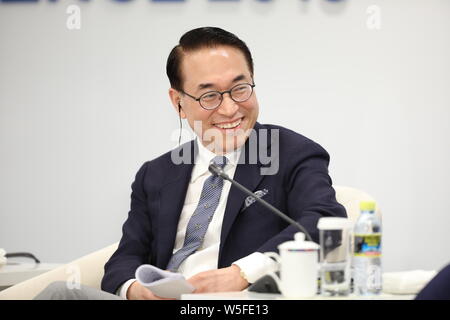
point(221, 161)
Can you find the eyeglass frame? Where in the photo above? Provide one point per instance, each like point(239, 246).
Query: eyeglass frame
point(221, 95)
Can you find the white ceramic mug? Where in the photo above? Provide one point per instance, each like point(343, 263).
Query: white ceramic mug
point(298, 265)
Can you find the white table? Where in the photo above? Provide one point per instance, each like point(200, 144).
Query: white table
point(13, 273)
point(246, 295)
point(394, 284)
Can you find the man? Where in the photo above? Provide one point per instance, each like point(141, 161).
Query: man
point(184, 219)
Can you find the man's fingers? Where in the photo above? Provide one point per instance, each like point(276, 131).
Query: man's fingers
point(159, 298)
point(224, 279)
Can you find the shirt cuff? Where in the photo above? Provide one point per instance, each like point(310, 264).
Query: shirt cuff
point(256, 265)
point(123, 289)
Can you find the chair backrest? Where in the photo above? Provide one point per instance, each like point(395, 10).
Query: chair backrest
point(350, 199)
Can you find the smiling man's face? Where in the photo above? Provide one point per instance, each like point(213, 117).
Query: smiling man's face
point(220, 68)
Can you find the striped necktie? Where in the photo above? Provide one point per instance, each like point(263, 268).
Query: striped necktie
point(200, 219)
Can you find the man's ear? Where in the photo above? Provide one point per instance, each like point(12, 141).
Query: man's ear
point(175, 98)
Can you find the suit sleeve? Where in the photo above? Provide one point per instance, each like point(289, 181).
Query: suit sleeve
point(134, 247)
point(309, 194)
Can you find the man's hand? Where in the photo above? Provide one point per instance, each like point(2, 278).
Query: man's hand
point(138, 292)
point(219, 280)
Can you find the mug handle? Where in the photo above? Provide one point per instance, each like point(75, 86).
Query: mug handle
point(277, 258)
point(277, 280)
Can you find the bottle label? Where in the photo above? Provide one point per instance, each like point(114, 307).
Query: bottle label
point(368, 245)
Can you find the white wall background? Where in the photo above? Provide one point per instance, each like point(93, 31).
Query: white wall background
point(81, 110)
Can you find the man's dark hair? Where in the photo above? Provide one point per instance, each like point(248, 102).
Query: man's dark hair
point(206, 37)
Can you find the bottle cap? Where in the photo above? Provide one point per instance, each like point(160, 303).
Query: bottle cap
point(367, 205)
point(334, 223)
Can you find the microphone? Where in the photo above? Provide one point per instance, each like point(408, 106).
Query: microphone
point(218, 171)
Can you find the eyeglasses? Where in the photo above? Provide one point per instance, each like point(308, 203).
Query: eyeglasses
point(212, 99)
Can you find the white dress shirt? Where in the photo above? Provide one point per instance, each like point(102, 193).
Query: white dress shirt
point(206, 257)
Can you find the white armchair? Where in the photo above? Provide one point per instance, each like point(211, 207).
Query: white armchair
point(88, 270)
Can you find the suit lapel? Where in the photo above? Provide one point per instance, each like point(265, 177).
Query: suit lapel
point(172, 195)
point(249, 176)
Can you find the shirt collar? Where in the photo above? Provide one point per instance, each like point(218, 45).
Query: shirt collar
point(204, 157)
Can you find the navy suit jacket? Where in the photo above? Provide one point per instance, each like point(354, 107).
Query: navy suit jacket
point(301, 189)
point(438, 288)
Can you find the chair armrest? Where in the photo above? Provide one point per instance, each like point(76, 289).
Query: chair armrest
point(87, 270)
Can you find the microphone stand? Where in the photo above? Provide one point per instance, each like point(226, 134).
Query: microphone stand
point(218, 171)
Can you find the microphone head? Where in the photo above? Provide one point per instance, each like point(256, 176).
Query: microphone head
point(215, 169)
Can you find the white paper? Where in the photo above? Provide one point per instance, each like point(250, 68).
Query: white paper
point(164, 284)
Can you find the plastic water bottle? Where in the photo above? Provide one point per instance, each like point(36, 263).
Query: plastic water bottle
point(367, 252)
